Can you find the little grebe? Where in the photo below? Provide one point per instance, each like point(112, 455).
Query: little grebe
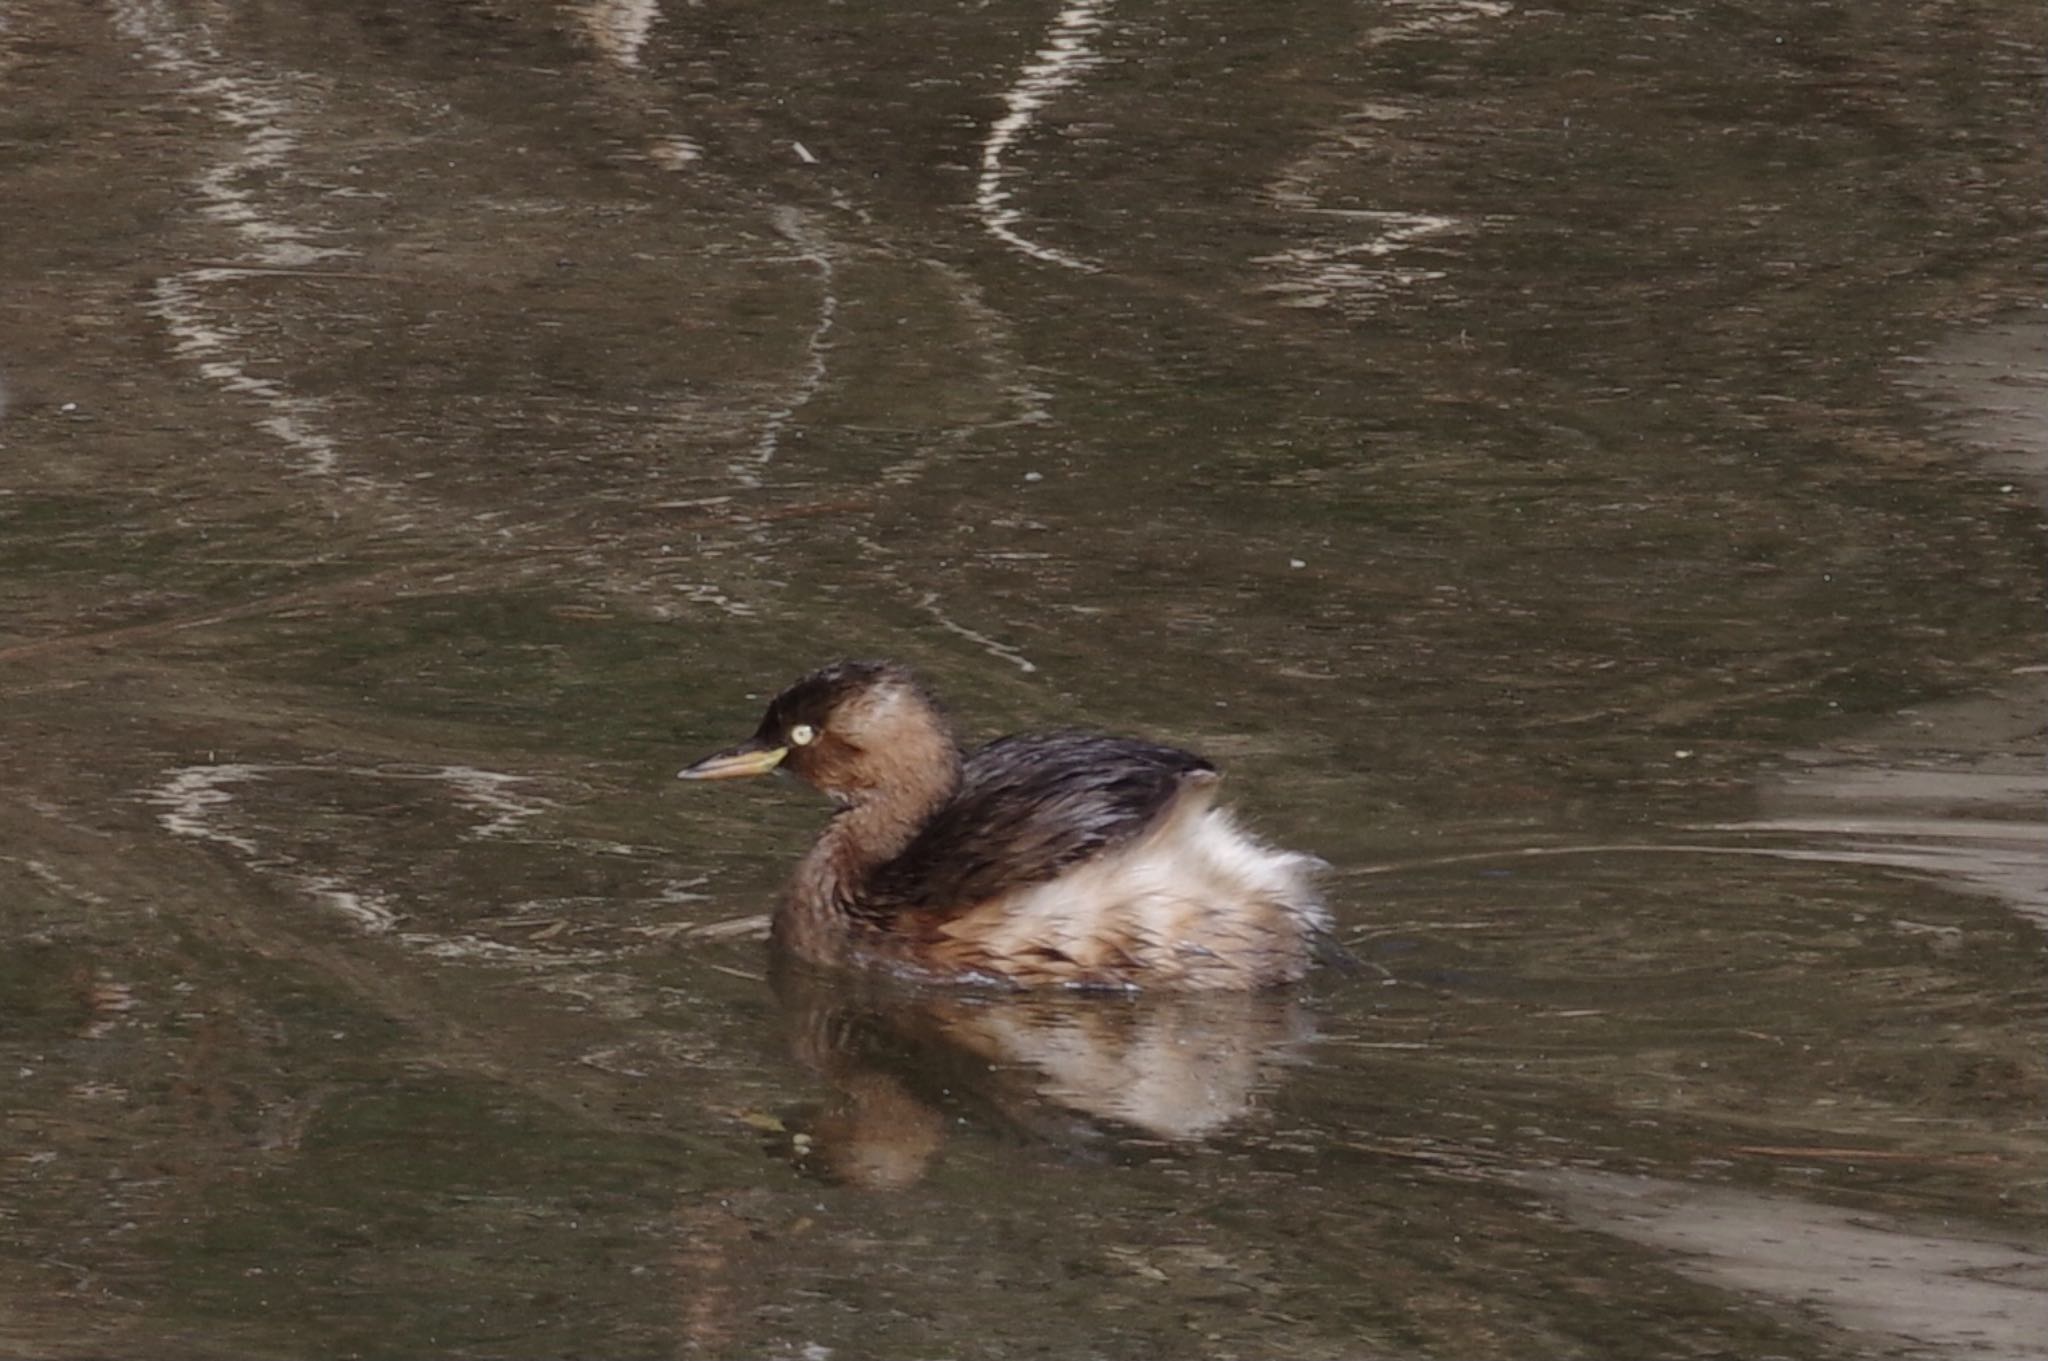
point(1054, 859)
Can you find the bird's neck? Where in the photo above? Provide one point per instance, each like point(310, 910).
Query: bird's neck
point(873, 826)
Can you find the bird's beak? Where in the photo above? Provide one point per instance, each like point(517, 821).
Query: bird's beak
point(751, 757)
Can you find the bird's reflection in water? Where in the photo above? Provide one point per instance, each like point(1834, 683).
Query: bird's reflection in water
point(1078, 1070)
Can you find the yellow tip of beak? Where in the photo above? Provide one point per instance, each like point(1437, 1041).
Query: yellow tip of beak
point(731, 765)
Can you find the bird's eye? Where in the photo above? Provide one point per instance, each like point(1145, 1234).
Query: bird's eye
point(803, 734)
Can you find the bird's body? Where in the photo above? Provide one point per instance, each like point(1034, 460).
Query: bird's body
point(1056, 859)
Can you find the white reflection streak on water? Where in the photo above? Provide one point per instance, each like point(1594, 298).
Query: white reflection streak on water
point(175, 300)
point(1352, 257)
point(1953, 790)
point(1031, 403)
point(194, 801)
point(930, 605)
point(2006, 859)
point(619, 28)
point(810, 379)
point(1946, 1293)
point(487, 791)
point(1412, 18)
point(191, 797)
point(675, 151)
point(1356, 271)
point(261, 113)
point(1058, 65)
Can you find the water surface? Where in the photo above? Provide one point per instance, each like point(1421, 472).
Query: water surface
point(1578, 470)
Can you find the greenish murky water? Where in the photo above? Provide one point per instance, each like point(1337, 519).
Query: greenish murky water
point(1581, 470)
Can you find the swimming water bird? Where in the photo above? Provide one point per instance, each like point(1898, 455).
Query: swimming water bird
point(1051, 859)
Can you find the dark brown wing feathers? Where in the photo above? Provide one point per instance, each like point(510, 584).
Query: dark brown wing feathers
point(1030, 807)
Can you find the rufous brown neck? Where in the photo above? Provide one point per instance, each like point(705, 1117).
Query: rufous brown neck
point(897, 794)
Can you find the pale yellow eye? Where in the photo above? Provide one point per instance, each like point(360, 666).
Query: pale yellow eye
point(803, 734)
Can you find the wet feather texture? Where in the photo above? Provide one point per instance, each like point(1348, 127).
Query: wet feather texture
point(1051, 859)
point(1030, 806)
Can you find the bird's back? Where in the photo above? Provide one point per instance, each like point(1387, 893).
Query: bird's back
point(1077, 859)
point(1029, 808)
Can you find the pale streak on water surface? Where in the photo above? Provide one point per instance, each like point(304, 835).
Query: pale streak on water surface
point(810, 380)
point(930, 605)
point(619, 28)
point(193, 801)
point(261, 114)
point(1426, 18)
point(1350, 259)
point(1942, 1288)
point(1067, 54)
